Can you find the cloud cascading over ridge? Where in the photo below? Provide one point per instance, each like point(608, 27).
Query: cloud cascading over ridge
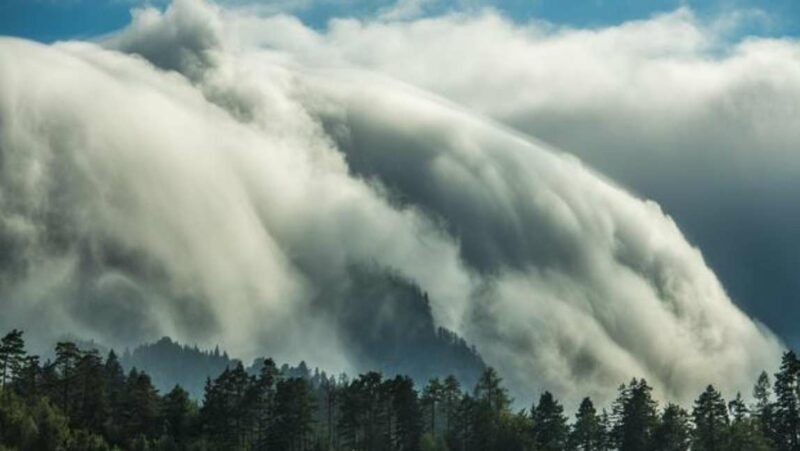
point(211, 176)
point(676, 107)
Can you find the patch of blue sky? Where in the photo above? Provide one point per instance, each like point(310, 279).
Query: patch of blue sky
point(50, 20)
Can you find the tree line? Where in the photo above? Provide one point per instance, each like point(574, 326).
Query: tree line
point(82, 401)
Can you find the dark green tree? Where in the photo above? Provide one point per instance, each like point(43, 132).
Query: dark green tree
point(587, 433)
point(294, 406)
point(264, 402)
point(549, 424)
point(67, 357)
point(12, 357)
point(180, 416)
point(674, 431)
point(432, 395)
point(404, 425)
point(451, 397)
point(745, 432)
point(141, 408)
point(786, 421)
point(330, 402)
point(763, 406)
point(362, 412)
point(635, 417)
point(514, 432)
point(491, 401)
point(28, 382)
point(91, 407)
point(710, 418)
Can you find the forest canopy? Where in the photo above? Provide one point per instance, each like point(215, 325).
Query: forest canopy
point(80, 400)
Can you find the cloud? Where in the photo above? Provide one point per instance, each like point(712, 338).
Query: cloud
point(186, 178)
point(670, 107)
point(667, 106)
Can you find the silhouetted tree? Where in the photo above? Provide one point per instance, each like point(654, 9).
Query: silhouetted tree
point(431, 396)
point(786, 423)
point(294, 406)
point(549, 424)
point(180, 415)
point(763, 406)
point(674, 432)
point(12, 357)
point(710, 417)
point(141, 408)
point(744, 433)
point(635, 417)
point(67, 357)
point(587, 433)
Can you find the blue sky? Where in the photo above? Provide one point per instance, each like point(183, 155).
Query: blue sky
point(49, 20)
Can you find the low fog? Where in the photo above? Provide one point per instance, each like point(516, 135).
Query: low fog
point(214, 176)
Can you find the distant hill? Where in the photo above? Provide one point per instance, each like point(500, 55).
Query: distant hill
point(170, 363)
point(385, 322)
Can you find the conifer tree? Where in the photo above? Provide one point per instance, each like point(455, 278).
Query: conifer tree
point(710, 417)
point(587, 433)
point(491, 401)
point(745, 432)
point(674, 432)
point(67, 357)
point(141, 408)
point(549, 424)
point(179, 414)
point(451, 396)
point(635, 417)
point(12, 357)
point(431, 396)
point(92, 407)
point(763, 406)
point(294, 405)
point(786, 424)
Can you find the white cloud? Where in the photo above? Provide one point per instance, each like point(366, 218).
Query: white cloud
point(225, 207)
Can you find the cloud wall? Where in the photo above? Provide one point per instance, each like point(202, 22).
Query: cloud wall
point(187, 176)
point(679, 109)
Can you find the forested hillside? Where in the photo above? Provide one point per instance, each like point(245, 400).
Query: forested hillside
point(83, 401)
point(387, 325)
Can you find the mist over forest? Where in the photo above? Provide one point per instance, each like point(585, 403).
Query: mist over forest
point(520, 198)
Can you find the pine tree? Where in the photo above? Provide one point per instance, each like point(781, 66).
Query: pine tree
point(451, 396)
point(490, 390)
point(786, 425)
point(361, 416)
point(407, 427)
point(141, 408)
point(745, 432)
point(606, 431)
point(635, 417)
point(763, 407)
point(179, 414)
point(586, 434)
point(431, 396)
point(67, 357)
point(264, 402)
point(710, 417)
point(673, 432)
point(330, 391)
point(295, 406)
point(29, 379)
point(114, 382)
point(549, 424)
point(12, 357)
point(236, 386)
point(491, 401)
point(466, 426)
point(92, 407)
